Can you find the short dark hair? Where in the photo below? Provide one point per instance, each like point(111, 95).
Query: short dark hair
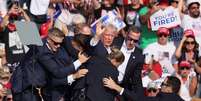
point(10, 3)
point(175, 83)
point(134, 29)
point(56, 32)
point(192, 4)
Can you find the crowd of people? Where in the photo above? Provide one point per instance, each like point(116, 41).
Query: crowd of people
point(81, 62)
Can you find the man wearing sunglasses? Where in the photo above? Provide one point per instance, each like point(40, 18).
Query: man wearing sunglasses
point(130, 70)
point(152, 89)
point(161, 51)
point(52, 71)
point(188, 80)
point(58, 66)
point(169, 90)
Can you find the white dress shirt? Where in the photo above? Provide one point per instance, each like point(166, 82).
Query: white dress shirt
point(122, 67)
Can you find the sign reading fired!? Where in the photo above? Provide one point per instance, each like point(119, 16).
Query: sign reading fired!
point(165, 18)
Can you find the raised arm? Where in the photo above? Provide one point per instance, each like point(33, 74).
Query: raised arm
point(179, 49)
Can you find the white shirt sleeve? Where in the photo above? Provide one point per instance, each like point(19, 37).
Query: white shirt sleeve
point(39, 7)
point(94, 42)
point(77, 64)
point(122, 90)
point(70, 79)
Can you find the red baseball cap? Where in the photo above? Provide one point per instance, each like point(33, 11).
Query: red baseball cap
point(163, 30)
point(44, 29)
point(184, 64)
point(189, 32)
point(164, 2)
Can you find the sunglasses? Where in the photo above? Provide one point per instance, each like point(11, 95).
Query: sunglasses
point(190, 42)
point(9, 99)
point(182, 68)
point(164, 84)
point(55, 43)
point(152, 90)
point(130, 39)
point(163, 35)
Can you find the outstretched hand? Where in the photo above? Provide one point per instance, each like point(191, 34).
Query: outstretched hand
point(99, 29)
point(80, 73)
point(109, 82)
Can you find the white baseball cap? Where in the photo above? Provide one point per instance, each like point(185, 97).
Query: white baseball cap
point(192, 1)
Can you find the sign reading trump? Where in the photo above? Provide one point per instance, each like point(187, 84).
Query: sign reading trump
point(165, 18)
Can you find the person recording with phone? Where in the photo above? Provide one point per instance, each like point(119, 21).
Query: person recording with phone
point(14, 48)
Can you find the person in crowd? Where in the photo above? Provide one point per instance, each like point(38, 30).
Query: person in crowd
point(13, 46)
point(130, 70)
point(151, 72)
point(131, 13)
point(148, 36)
point(188, 48)
point(161, 51)
point(169, 90)
point(192, 20)
point(104, 8)
point(152, 89)
point(188, 80)
point(176, 31)
point(4, 82)
point(38, 9)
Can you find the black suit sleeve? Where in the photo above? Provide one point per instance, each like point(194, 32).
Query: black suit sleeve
point(53, 65)
point(59, 82)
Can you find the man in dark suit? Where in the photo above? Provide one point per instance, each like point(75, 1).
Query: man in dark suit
point(58, 66)
point(53, 66)
point(169, 90)
point(130, 70)
point(99, 68)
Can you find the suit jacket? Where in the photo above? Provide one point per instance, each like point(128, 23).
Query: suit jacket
point(57, 67)
point(135, 96)
point(132, 79)
point(69, 47)
point(100, 50)
point(98, 69)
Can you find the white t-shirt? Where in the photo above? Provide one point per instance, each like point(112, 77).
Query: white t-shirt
point(184, 90)
point(164, 54)
point(39, 7)
point(3, 7)
point(194, 24)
